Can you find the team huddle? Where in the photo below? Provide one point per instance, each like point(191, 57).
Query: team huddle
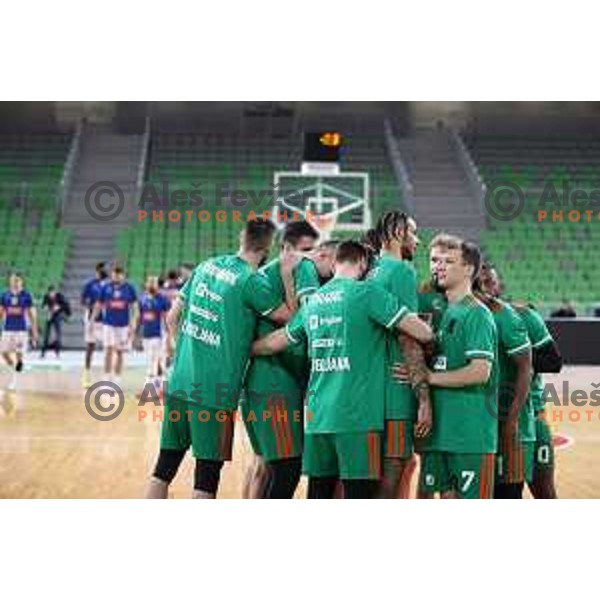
point(339, 363)
point(343, 368)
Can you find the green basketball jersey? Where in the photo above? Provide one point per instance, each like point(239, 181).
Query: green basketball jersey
point(397, 277)
point(512, 341)
point(539, 336)
point(464, 420)
point(222, 300)
point(344, 324)
point(306, 282)
point(432, 304)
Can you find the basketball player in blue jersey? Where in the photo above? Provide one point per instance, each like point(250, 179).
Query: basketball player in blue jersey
point(118, 301)
point(154, 307)
point(16, 312)
point(93, 331)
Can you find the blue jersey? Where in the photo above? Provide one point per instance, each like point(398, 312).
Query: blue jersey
point(91, 293)
point(15, 307)
point(117, 300)
point(152, 309)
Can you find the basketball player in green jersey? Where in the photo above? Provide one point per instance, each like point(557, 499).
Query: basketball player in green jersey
point(216, 313)
point(516, 421)
point(432, 304)
point(465, 432)
point(344, 325)
point(546, 359)
point(275, 385)
point(407, 414)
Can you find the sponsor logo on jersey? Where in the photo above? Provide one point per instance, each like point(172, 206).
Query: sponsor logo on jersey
point(327, 321)
point(440, 364)
point(327, 297)
point(203, 313)
point(117, 304)
point(221, 274)
point(331, 364)
point(315, 321)
point(202, 335)
point(203, 291)
point(326, 343)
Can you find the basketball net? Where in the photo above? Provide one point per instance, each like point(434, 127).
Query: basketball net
point(325, 223)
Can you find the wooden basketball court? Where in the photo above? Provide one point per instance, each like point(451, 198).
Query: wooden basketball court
point(50, 447)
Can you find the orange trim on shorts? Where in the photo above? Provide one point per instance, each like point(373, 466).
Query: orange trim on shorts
point(290, 439)
point(396, 438)
point(285, 438)
point(391, 438)
point(374, 452)
point(402, 437)
point(276, 433)
point(485, 476)
point(227, 438)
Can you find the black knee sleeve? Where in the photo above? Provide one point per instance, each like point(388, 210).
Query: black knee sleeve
point(168, 464)
point(321, 488)
point(359, 489)
point(284, 478)
point(207, 475)
point(19, 366)
point(508, 491)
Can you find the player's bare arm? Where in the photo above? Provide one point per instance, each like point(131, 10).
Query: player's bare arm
point(417, 375)
point(521, 392)
point(173, 315)
point(271, 344)
point(96, 311)
point(416, 328)
point(288, 261)
point(168, 336)
point(281, 315)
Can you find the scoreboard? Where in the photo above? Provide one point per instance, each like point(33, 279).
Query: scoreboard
point(322, 147)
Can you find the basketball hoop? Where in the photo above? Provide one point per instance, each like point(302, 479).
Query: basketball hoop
point(325, 223)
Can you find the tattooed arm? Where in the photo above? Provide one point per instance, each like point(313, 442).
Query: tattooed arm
point(414, 356)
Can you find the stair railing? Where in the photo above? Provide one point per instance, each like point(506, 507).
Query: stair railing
point(144, 156)
point(400, 170)
point(476, 182)
point(71, 162)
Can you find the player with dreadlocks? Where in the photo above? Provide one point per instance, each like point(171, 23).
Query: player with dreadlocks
point(407, 404)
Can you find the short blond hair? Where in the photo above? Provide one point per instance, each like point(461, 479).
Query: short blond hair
point(446, 241)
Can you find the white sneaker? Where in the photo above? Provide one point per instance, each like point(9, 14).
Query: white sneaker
point(12, 386)
point(86, 379)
